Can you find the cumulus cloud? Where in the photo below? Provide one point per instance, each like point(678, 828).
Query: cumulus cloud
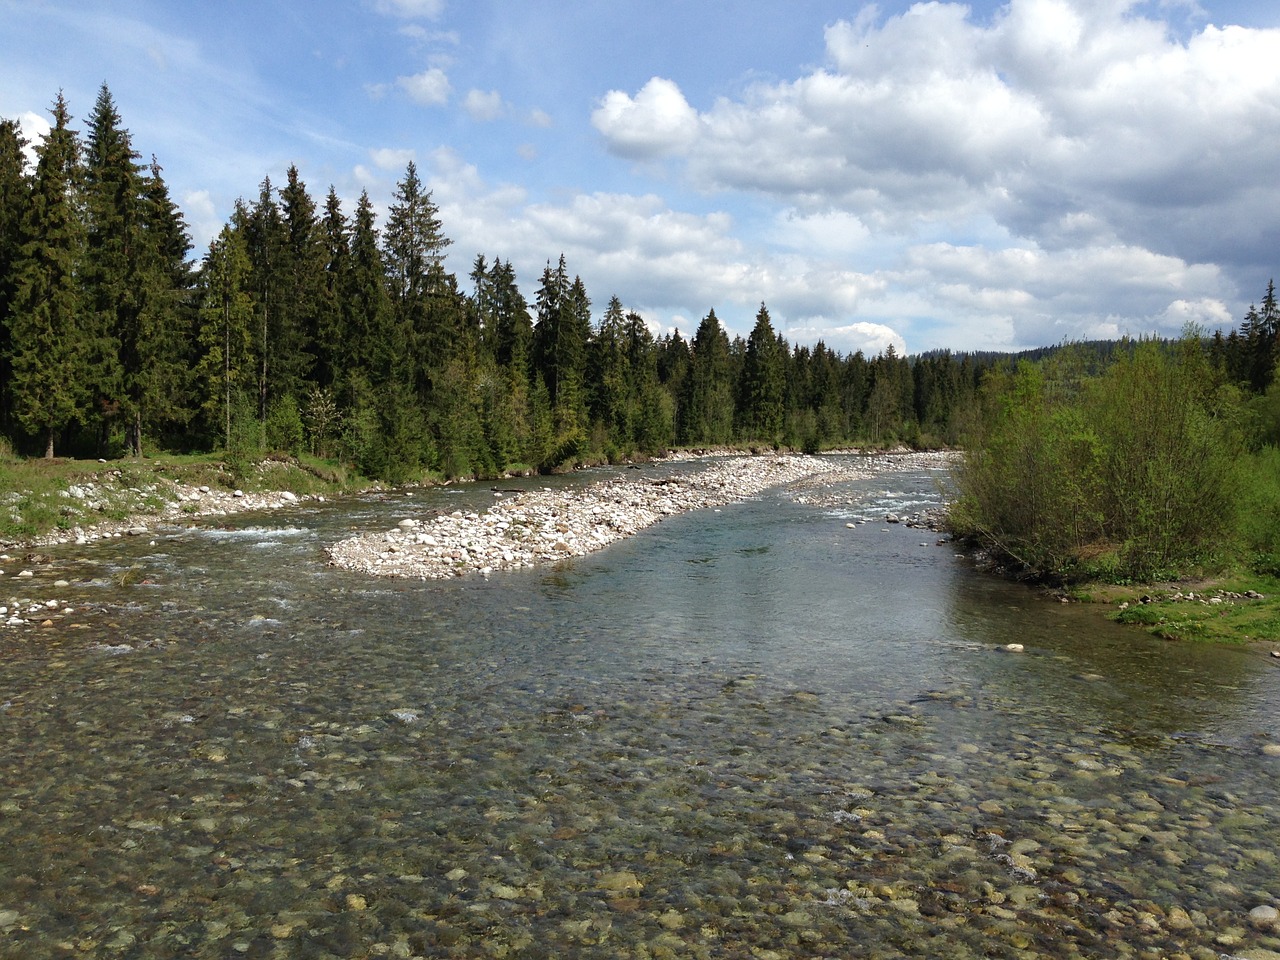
point(411, 9)
point(1071, 125)
point(202, 216)
point(656, 121)
point(484, 105)
point(430, 88)
point(391, 158)
point(34, 129)
point(872, 339)
point(539, 118)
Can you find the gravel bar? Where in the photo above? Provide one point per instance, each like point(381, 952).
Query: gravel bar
point(553, 525)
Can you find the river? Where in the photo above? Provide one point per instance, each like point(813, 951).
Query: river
point(752, 732)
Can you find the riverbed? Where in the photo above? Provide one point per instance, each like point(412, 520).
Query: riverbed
point(777, 728)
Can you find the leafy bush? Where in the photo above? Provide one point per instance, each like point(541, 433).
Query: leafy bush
point(1127, 474)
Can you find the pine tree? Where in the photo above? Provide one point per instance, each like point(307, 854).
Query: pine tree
point(709, 405)
point(413, 246)
point(332, 322)
point(15, 194)
point(224, 369)
point(265, 238)
point(48, 363)
point(761, 384)
point(111, 269)
point(157, 353)
point(304, 259)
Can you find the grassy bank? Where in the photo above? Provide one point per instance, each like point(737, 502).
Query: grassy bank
point(1233, 608)
point(40, 497)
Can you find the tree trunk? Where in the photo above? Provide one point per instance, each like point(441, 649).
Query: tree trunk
point(135, 435)
point(48, 450)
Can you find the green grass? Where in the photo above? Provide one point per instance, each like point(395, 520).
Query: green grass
point(35, 496)
point(1220, 613)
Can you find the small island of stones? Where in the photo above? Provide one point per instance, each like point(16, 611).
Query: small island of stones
point(547, 526)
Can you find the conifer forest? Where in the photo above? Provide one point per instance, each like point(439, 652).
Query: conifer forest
point(309, 326)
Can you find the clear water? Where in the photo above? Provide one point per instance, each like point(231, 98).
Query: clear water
point(751, 732)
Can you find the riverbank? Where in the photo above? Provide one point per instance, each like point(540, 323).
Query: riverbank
point(549, 526)
point(46, 503)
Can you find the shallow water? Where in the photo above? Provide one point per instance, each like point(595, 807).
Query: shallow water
point(750, 732)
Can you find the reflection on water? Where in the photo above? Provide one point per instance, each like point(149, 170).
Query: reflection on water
point(748, 732)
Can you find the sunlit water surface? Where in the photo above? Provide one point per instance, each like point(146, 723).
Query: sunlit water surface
point(751, 732)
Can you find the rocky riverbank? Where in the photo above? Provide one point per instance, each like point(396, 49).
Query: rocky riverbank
point(552, 525)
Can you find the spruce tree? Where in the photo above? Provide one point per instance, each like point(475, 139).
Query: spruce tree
point(113, 257)
point(304, 257)
point(413, 249)
point(709, 403)
point(157, 353)
point(264, 237)
point(224, 369)
point(610, 381)
point(49, 364)
point(513, 327)
point(761, 383)
point(15, 193)
point(371, 343)
point(331, 319)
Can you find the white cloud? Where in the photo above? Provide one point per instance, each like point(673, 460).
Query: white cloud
point(391, 158)
point(1066, 122)
point(202, 217)
point(540, 118)
point(872, 339)
point(430, 88)
point(658, 120)
point(484, 105)
point(411, 9)
point(34, 128)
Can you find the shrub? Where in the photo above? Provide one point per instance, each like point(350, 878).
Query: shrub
point(1127, 474)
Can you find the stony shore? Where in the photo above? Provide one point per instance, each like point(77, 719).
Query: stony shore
point(552, 525)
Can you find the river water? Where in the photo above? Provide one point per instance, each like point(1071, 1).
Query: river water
point(753, 732)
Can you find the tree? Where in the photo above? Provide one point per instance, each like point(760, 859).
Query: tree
point(304, 259)
point(413, 249)
point(112, 266)
point(514, 327)
point(156, 352)
point(15, 193)
point(709, 404)
point(265, 238)
point(331, 310)
point(760, 387)
point(48, 360)
point(610, 374)
point(560, 338)
point(226, 320)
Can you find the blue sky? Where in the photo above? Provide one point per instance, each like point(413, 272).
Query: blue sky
point(989, 176)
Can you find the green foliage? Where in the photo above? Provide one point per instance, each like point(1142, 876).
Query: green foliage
point(48, 359)
point(246, 440)
point(283, 429)
point(1127, 474)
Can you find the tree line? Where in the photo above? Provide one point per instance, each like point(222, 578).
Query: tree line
point(306, 327)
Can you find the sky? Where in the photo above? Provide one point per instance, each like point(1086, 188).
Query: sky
point(991, 176)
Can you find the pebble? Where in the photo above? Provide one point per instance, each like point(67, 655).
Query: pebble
point(1264, 917)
